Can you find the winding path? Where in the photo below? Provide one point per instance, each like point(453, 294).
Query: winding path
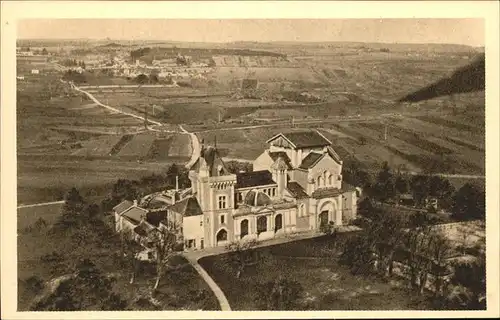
point(219, 294)
point(111, 108)
point(38, 204)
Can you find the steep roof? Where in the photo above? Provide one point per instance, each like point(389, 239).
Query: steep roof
point(144, 228)
point(296, 190)
point(334, 154)
point(304, 139)
point(284, 156)
point(122, 206)
point(135, 214)
point(213, 160)
point(311, 159)
point(187, 207)
point(253, 179)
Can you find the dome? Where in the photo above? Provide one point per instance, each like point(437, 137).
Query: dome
point(257, 198)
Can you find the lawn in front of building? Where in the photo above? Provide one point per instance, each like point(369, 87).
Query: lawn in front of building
point(326, 284)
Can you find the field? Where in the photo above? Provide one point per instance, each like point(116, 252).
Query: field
point(44, 178)
point(327, 285)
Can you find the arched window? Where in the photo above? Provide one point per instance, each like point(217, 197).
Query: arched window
point(320, 181)
point(261, 224)
point(330, 179)
point(222, 235)
point(278, 222)
point(302, 210)
point(244, 228)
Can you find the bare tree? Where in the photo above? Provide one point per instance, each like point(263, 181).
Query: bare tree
point(164, 241)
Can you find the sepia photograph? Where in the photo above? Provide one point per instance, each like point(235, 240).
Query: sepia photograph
point(270, 164)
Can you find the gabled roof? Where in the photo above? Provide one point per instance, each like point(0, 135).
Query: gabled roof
point(333, 154)
point(254, 179)
point(303, 139)
point(296, 190)
point(135, 214)
point(144, 228)
point(187, 207)
point(122, 206)
point(311, 159)
point(284, 156)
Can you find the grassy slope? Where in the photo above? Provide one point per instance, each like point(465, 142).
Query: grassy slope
point(327, 285)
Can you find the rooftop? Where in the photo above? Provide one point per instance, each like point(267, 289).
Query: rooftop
point(187, 207)
point(311, 159)
point(254, 179)
point(304, 139)
point(296, 190)
point(284, 156)
point(135, 214)
point(122, 206)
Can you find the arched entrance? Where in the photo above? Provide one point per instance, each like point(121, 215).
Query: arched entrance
point(221, 236)
point(326, 213)
point(323, 219)
point(261, 224)
point(278, 222)
point(244, 228)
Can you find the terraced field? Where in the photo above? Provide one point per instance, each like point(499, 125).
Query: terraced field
point(138, 146)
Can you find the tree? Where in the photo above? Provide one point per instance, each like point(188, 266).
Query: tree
point(469, 203)
point(471, 278)
point(240, 255)
point(419, 186)
point(279, 294)
point(442, 189)
point(401, 184)
point(362, 140)
point(73, 206)
point(44, 52)
point(130, 249)
point(86, 288)
point(384, 185)
point(142, 79)
point(366, 207)
point(164, 244)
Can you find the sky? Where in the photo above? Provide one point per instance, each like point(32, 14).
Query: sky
point(454, 31)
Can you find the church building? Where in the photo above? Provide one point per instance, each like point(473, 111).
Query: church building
point(296, 185)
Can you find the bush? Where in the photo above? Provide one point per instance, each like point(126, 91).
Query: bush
point(35, 284)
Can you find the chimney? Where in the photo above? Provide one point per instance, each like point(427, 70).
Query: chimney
point(135, 203)
point(176, 183)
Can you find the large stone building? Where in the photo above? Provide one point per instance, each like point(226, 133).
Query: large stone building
point(296, 185)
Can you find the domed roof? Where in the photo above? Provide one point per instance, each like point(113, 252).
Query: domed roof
point(257, 199)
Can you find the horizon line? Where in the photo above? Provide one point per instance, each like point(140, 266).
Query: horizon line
point(252, 41)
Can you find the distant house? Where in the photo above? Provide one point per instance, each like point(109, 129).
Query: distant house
point(406, 200)
point(20, 77)
point(35, 71)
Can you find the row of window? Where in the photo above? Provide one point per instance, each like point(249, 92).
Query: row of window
point(270, 191)
point(326, 179)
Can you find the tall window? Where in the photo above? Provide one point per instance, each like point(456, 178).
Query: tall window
point(222, 219)
point(222, 202)
point(330, 180)
point(274, 192)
